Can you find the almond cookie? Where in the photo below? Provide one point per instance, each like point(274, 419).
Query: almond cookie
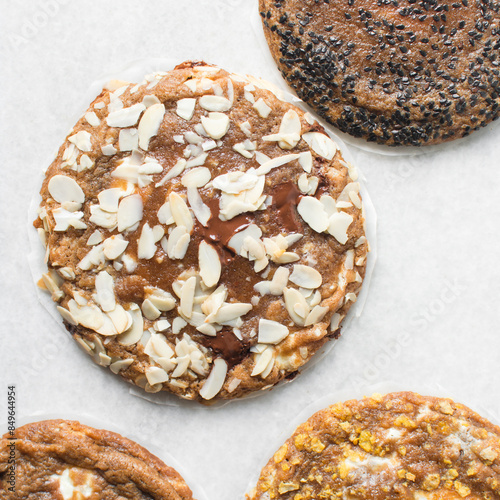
point(394, 72)
point(202, 236)
point(65, 460)
point(398, 446)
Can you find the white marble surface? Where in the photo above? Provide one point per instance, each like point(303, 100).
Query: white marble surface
point(431, 321)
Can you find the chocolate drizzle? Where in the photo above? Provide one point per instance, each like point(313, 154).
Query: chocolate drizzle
point(285, 199)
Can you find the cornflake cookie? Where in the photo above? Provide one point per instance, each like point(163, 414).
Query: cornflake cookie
point(65, 460)
point(398, 446)
point(203, 237)
point(397, 72)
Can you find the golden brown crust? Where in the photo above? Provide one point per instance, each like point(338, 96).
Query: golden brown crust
point(154, 298)
point(61, 459)
point(397, 446)
point(395, 72)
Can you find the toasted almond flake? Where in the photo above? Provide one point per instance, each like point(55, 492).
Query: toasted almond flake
point(108, 150)
point(149, 310)
point(216, 125)
point(104, 286)
point(150, 124)
point(279, 161)
point(290, 130)
point(338, 226)
point(187, 296)
point(328, 204)
point(67, 316)
point(209, 262)
point(180, 212)
point(262, 108)
point(120, 318)
point(316, 315)
point(242, 149)
point(121, 364)
point(85, 163)
point(232, 311)
point(82, 140)
point(296, 305)
point(215, 380)
point(65, 189)
point(321, 144)
point(306, 276)
point(262, 361)
point(129, 212)
point(178, 324)
point(92, 119)
point(128, 139)
point(185, 108)
point(93, 258)
point(306, 161)
point(101, 218)
point(146, 247)
point(237, 240)
point(176, 170)
point(201, 211)
point(125, 117)
point(351, 296)
point(150, 100)
point(215, 103)
point(114, 246)
point(196, 177)
point(182, 365)
point(156, 375)
point(360, 241)
point(109, 198)
point(279, 281)
point(162, 300)
point(133, 334)
point(313, 212)
point(89, 316)
point(207, 329)
point(271, 332)
point(64, 219)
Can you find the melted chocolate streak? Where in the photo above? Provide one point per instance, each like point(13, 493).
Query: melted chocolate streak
point(285, 199)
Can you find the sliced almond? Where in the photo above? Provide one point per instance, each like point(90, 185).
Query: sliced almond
point(136, 330)
point(279, 161)
point(176, 170)
point(306, 276)
point(129, 212)
point(196, 177)
point(209, 262)
point(150, 124)
point(262, 108)
point(215, 103)
point(216, 125)
point(263, 360)
point(296, 305)
point(126, 117)
point(104, 286)
point(156, 375)
point(338, 225)
point(215, 380)
point(187, 296)
point(114, 246)
point(185, 108)
point(128, 139)
point(313, 212)
point(201, 211)
point(82, 140)
point(316, 315)
point(180, 212)
point(271, 332)
point(65, 189)
point(321, 144)
point(146, 247)
point(229, 312)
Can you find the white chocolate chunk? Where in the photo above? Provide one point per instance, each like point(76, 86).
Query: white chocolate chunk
point(209, 262)
point(125, 117)
point(216, 124)
point(150, 124)
point(215, 380)
point(321, 144)
point(185, 108)
point(271, 332)
point(65, 189)
point(306, 276)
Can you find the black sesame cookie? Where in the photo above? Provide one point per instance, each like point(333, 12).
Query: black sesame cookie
point(202, 236)
point(65, 460)
point(397, 72)
point(398, 446)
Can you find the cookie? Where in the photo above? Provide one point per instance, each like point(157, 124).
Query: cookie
point(63, 460)
point(202, 236)
point(393, 72)
point(401, 445)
